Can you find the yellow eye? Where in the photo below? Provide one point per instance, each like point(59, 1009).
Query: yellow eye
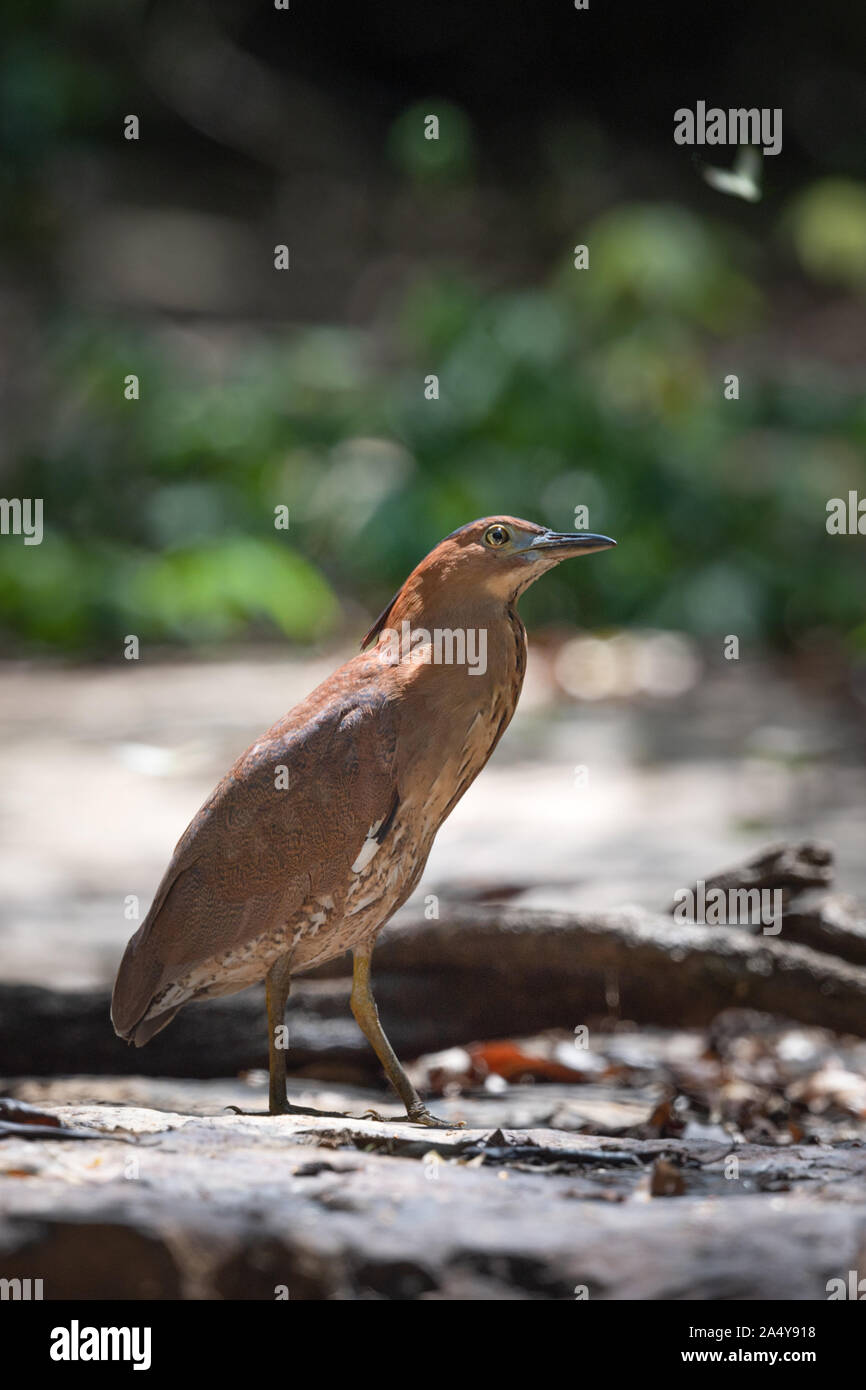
point(496, 536)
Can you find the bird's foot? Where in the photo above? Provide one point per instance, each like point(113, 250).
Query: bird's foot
point(422, 1116)
point(256, 1114)
point(418, 1116)
point(317, 1114)
point(287, 1109)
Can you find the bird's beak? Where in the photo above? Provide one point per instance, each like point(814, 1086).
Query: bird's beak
point(565, 545)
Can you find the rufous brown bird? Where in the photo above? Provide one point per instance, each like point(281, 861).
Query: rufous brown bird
point(322, 828)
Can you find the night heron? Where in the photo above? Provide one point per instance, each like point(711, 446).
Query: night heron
point(321, 830)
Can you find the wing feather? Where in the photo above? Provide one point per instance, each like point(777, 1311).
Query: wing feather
point(286, 823)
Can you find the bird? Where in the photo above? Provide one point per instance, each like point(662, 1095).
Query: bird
point(322, 828)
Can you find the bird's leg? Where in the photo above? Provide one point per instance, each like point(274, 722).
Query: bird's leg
point(367, 1017)
point(278, 984)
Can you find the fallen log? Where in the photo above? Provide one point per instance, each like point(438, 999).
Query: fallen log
point(45, 1032)
point(480, 972)
point(830, 922)
point(790, 867)
point(630, 964)
point(834, 924)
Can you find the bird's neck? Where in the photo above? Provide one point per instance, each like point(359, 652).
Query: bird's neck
point(478, 637)
point(425, 603)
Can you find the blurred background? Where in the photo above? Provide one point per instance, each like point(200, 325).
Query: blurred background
point(645, 755)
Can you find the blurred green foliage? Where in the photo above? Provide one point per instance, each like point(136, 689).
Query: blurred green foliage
point(600, 387)
point(828, 224)
point(446, 151)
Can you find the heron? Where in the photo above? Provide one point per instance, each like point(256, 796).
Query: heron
point(322, 828)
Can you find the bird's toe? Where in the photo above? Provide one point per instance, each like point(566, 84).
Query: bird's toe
point(423, 1117)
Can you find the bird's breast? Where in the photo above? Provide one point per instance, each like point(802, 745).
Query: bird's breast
point(385, 872)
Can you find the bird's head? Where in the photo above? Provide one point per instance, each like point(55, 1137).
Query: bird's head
point(498, 556)
point(505, 555)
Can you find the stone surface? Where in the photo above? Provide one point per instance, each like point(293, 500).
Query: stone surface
point(181, 1198)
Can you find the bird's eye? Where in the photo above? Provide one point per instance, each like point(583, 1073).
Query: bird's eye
point(496, 536)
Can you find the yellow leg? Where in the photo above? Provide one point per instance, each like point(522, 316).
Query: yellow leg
point(367, 1017)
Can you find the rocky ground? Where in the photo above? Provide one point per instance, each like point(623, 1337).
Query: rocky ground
point(172, 1196)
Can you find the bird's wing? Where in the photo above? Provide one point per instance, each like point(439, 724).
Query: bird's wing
point(287, 822)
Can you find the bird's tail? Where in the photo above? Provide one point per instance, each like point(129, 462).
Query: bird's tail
point(135, 992)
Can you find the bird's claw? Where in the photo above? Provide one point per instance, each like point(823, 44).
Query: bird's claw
point(421, 1116)
point(258, 1114)
point(287, 1109)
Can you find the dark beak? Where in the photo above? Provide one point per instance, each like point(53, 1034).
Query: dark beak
point(565, 545)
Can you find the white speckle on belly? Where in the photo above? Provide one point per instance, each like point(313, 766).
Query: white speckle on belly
point(368, 848)
point(317, 920)
point(365, 902)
